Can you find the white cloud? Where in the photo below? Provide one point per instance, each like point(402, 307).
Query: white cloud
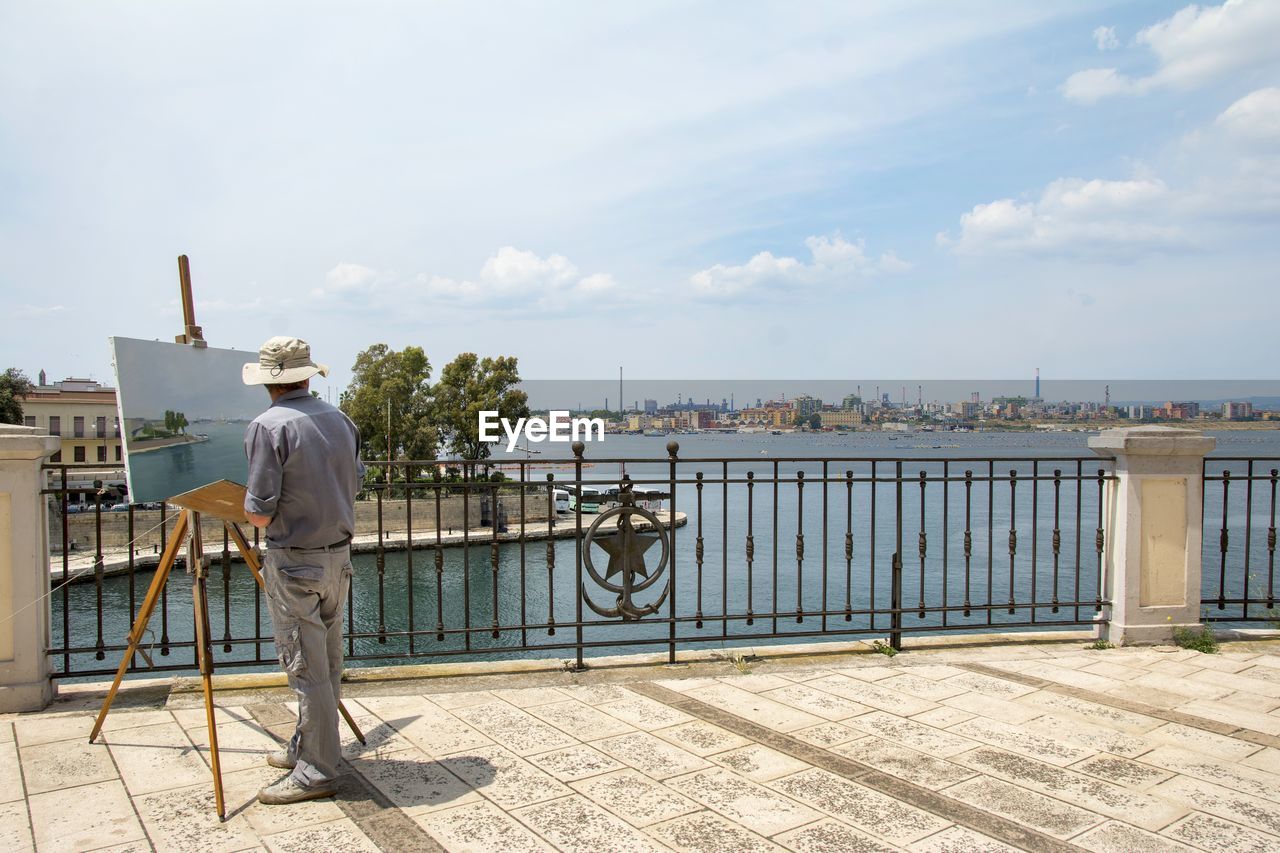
point(1195, 45)
point(1105, 38)
point(835, 262)
point(1256, 116)
point(1117, 219)
point(29, 312)
point(511, 278)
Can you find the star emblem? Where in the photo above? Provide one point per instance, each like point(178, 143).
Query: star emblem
point(626, 550)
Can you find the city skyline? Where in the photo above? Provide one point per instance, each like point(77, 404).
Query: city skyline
point(911, 188)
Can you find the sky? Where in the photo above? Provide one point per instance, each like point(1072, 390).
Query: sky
point(717, 190)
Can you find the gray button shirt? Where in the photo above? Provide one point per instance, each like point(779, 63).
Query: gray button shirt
point(304, 471)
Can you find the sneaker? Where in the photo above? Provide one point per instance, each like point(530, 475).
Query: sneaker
point(288, 791)
point(280, 758)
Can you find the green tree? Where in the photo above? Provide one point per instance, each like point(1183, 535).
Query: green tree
point(469, 385)
point(387, 385)
point(14, 385)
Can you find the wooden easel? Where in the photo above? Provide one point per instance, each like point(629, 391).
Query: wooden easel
point(212, 499)
point(225, 501)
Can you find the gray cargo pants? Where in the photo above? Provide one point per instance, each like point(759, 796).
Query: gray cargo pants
point(307, 590)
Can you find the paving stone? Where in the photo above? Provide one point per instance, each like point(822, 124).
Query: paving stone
point(1029, 808)
point(1249, 702)
point(479, 827)
point(15, 828)
point(1016, 739)
point(1267, 758)
point(132, 718)
point(1199, 740)
point(670, 752)
point(921, 687)
point(1139, 809)
point(426, 725)
point(1262, 671)
point(416, 782)
point(1088, 736)
point(644, 713)
point(827, 734)
point(1220, 663)
point(240, 790)
point(828, 835)
point(504, 778)
point(1214, 834)
point(10, 773)
point(528, 697)
point(190, 718)
point(925, 770)
point(634, 797)
point(866, 693)
point(1235, 776)
point(514, 728)
point(1113, 670)
point(755, 707)
point(1093, 712)
point(1122, 771)
point(1255, 720)
point(240, 745)
point(742, 801)
point(1174, 668)
point(936, 671)
point(989, 685)
point(982, 705)
point(877, 814)
point(1116, 837)
point(817, 702)
point(755, 682)
point(340, 834)
point(960, 839)
point(580, 720)
point(943, 717)
point(759, 763)
point(684, 685)
point(911, 734)
point(380, 738)
point(867, 672)
point(598, 694)
point(65, 764)
point(153, 758)
point(102, 815)
point(708, 832)
point(575, 823)
point(6, 732)
point(577, 762)
point(1075, 677)
point(1223, 802)
point(186, 819)
point(1231, 681)
point(47, 728)
point(464, 699)
point(1180, 685)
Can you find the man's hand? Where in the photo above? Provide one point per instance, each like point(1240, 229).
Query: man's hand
point(260, 521)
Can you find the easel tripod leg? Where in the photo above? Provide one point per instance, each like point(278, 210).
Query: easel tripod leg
point(144, 617)
point(200, 602)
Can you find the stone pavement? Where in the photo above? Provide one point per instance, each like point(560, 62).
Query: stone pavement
point(1042, 746)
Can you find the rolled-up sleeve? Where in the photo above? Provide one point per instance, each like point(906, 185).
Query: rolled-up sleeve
point(265, 471)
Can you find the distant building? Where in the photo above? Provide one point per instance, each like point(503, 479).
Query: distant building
point(848, 417)
point(1139, 412)
point(82, 413)
point(851, 401)
point(651, 407)
point(804, 405)
point(1184, 411)
point(1237, 411)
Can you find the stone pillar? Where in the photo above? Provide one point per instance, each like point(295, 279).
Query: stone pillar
point(24, 570)
point(1152, 569)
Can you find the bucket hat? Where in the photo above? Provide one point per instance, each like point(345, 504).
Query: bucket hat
point(282, 361)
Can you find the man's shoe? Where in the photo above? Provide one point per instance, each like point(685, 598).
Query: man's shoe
point(287, 791)
point(280, 758)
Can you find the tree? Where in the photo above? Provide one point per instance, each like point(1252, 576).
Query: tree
point(14, 385)
point(469, 385)
point(386, 384)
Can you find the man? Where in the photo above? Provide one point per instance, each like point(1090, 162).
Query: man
point(304, 472)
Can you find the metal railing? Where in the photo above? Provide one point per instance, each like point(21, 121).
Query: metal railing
point(753, 550)
point(1239, 548)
